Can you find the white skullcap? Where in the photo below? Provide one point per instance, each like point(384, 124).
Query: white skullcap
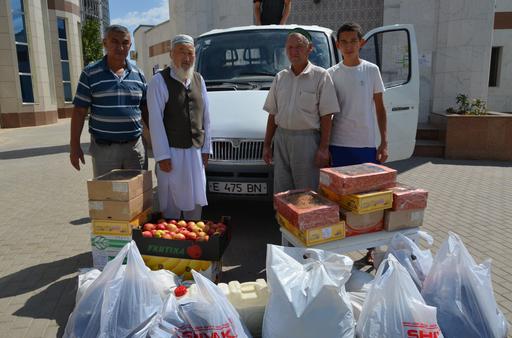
point(181, 39)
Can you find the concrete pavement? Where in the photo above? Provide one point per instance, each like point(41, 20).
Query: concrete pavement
point(45, 224)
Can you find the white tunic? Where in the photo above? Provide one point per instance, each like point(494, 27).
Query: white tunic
point(186, 183)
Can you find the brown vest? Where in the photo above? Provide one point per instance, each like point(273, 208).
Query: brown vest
point(183, 113)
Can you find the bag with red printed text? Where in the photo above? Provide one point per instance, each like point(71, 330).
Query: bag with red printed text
point(394, 306)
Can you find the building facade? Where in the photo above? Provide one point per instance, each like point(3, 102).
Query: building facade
point(40, 60)
point(465, 46)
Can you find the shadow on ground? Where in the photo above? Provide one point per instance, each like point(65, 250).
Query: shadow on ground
point(41, 151)
point(57, 300)
point(413, 162)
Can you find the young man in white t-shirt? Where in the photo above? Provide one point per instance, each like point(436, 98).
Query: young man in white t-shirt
point(359, 89)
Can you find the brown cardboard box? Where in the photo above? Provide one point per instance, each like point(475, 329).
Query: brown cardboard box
point(121, 210)
point(119, 185)
point(317, 235)
point(361, 203)
point(118, 228)
point(306, 209)
point(356, 224)
point(406, 197)
point(403, 219)
point(358, 178)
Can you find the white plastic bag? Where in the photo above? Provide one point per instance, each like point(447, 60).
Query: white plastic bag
point(204, 313)
point(118, 301)
point(416, 261)
point(462, 291)
point(85, 278)
point(358, 281)
point(307, 294)
point(394, 306)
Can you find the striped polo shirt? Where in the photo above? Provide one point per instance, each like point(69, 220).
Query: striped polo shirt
point(114, 101)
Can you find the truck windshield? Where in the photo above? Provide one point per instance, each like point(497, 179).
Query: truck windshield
point(252, 54)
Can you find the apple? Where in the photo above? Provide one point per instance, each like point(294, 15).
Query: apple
point(160, 226)
point(167, 236)
point(191, 235)
point(172, 221)
point(160, 220)
point(191, 223)
point(201, 224)
point(149, 226)
point(153, 232)
point(182, 223)
point(147, 234)
point(180, 237)
point(172, 227)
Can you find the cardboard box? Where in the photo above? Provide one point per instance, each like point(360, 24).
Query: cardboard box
point(211, 250)
point(403, 219)
point(183, 267)
point(119, 228)
point(357, 224)
point(314, 236)
point(105, 248)
point(358, 178)
point(119, 185)
point(121, 210)
point(406, 197)
point(361, 203)
point(306, 209)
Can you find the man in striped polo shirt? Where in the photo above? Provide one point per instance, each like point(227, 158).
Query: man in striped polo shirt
point(115, 92)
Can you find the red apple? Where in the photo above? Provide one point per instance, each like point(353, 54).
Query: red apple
point(153, 232)
point(147, 234)
point(172, 221)
point(182, 223)
point(191, 235)
point(149, 226)
point(191, 223)
point(161, 220)
point(167, 236)
point(161, 226)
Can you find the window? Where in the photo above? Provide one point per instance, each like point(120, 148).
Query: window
point(390, 51)
point(64, 59)
point(255, 54)
point(495, 67)
point(20, 38)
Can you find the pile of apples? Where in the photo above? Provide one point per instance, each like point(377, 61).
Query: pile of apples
point(183, 230)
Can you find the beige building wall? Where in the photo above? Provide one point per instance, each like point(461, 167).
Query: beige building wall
point(500, 97)
point(454, 45)
point(40, 26)
point(192, 17)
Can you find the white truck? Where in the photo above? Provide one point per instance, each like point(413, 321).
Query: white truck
point(239, 64)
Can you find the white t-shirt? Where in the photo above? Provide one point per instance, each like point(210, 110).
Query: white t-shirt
point(354, 125)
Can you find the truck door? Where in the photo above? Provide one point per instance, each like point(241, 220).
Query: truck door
point(393, 49)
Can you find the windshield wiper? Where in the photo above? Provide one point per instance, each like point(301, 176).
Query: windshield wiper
point(229, 84)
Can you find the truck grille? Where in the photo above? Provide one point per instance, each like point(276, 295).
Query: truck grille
point(237, 150)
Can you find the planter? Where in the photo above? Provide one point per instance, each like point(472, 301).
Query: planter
point(471, 137)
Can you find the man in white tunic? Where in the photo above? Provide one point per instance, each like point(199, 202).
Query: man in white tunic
point(179, 125)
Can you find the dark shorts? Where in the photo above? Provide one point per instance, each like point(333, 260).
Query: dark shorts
point(342, 156)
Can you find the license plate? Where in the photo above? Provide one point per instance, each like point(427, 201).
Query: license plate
point(238, 188)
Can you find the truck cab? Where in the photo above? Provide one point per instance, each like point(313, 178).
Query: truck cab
point(239, 64)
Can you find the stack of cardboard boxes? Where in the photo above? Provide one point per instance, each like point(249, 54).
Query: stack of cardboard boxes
point(310, 217)
point(368, 198)
point(118, 202)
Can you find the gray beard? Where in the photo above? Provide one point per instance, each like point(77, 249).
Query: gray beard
point(183, 74)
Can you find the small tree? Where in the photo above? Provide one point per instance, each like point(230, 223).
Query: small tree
point(92, 46)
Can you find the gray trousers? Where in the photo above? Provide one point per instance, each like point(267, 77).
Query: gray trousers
point(130, 155)
point(294, 159)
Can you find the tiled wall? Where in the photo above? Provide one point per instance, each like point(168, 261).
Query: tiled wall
point(333, 13)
